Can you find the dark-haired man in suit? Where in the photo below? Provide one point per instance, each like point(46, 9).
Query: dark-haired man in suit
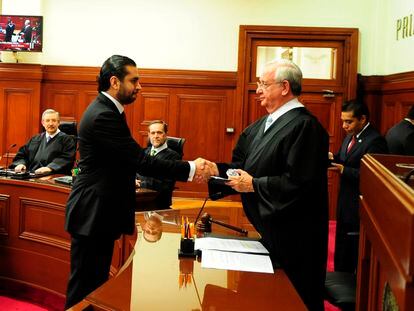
point(101, 205)
point(9, 30)
point(157, 134)
point(49, 152)
point(281, 159)
point(400, 138)
point(362, 138)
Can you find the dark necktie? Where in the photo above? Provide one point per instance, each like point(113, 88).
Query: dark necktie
point(47, 138)
point(351, 144)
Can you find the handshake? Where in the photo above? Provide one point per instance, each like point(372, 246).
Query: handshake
point(204, 170)
point(239, 180)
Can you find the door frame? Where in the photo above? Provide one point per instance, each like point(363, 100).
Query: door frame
point(248, 33)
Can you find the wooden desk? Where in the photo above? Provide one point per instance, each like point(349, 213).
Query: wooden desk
point(34, 246)
point(150, 281)
point(386, 246)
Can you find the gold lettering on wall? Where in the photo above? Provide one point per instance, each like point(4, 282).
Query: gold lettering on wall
point(404, 27)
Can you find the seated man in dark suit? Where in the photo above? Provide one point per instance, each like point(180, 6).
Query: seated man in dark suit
point(49, 152)
point(400, 138)
point(157, 133)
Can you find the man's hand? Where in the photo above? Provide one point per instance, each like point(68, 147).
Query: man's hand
point(43, 170)
point(20, 168)
point(241, 183)
point(137, 183)
point(337, 167)
point(204, 170)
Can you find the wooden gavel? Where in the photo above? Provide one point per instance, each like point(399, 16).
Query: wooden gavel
point(204, 225)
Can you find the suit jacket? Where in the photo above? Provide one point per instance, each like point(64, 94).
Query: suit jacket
point(400, 138)
point(165, 187)
point(289, 207)
point(370, 141)
point(60, 150)
point(102, 201)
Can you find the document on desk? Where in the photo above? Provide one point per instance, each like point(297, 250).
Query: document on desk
point(230, 245)
point(236, 261)
point(234, 254)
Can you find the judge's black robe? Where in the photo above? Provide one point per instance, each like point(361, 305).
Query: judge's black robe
point(289, 205)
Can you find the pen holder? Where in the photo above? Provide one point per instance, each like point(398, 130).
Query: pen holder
point(187, 248)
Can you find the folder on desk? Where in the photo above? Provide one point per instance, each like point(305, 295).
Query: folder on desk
point(66, 180)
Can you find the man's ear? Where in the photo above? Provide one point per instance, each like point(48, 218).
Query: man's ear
point(286, 87)
point(114, 82)
point(364, 119)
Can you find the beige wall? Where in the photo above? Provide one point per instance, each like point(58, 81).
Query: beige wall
point(202, 34)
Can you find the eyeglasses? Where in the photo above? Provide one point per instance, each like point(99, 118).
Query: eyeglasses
point(264, 85)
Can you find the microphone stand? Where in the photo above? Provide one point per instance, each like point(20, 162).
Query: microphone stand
point(7, 158)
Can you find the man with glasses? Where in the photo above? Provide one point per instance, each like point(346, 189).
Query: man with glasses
point(282, 165)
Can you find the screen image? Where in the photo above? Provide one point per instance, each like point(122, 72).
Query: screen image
point(21, 33)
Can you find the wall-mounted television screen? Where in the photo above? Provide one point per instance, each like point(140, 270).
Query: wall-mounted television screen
point(21, 33)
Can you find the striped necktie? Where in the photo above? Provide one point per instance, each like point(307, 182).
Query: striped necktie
point(351, 144)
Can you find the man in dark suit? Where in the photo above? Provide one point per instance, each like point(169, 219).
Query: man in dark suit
point(157, 134)
point(281, 159)
point(362, 138)
point(400, 138)
point(9, 30)
point(102, 202)
point(49, 152)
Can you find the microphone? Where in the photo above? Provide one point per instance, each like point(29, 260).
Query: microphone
point(7, 158)
point(213, 197)
point(204, 225)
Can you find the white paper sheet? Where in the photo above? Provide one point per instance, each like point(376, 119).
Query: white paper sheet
point(236, 261)
point(230, 245)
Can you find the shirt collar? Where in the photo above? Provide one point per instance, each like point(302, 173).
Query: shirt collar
point(160, 148)
point(116, 103)
point(292, 104)
point(51, 136)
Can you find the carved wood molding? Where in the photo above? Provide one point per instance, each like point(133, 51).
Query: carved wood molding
point(21, 72)
point(399, 82)
point(149, 77)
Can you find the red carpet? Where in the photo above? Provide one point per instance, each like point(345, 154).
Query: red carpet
point(7, 303)
point(330, 264)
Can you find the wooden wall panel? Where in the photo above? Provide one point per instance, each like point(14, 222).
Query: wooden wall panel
point(42, 222)
point(166, 94)
point(155, 106)
point(19, 105)
point(388, 98)
point(197, 105)
point(4, 214)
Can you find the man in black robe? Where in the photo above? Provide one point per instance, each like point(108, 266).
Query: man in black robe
point(282, 162)
point(50, 152)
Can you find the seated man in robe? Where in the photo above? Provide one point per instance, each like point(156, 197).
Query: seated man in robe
point(49, 152)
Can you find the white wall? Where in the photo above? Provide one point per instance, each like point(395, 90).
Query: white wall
point(196, 34)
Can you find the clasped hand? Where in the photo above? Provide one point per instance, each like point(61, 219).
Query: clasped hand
point(204, 170)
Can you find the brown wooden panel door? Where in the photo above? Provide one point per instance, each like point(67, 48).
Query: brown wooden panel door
point(152, 104)
point(200, 117)
point(20, 120)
